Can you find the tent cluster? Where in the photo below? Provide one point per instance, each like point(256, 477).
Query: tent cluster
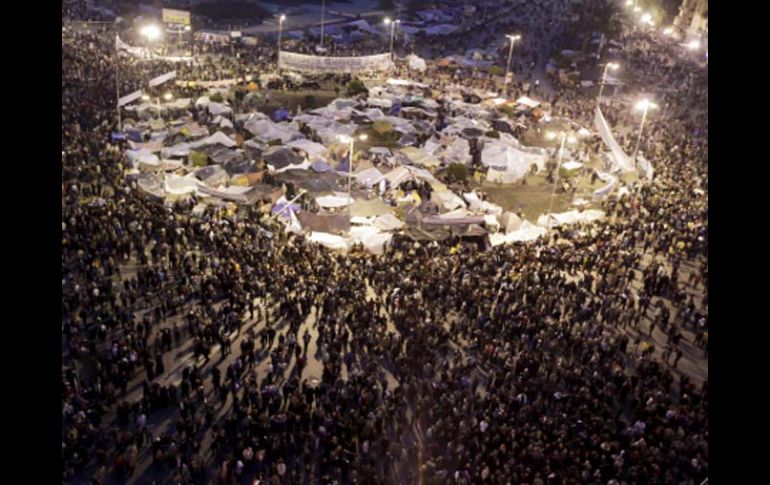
point(303, 169)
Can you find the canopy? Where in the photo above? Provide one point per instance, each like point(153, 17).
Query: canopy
point(419, 157)
point(447, 200)
point(334, 201)
point(310, 147)
point(281, 156)
point(369, 177)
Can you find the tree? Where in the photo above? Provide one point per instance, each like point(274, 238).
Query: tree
point(457, 172)
point(356, 86)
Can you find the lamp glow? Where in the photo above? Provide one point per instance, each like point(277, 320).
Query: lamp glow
point(152, 32)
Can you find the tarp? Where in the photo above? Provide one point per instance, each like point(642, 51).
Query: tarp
point(319, 64)
point(370, 238)
point(447, 200)
point(526, 232)
point(603, 192)
point(528, 102)
point(217, 138)
point(571, 165)
point(325, 222)
point(331, 241)
point(367, 208)
point(622, 161)
point(514, 162)
point(313, 149)
point(416, 63)
point(129, 98)
point(476, 204)
point(388, 222)
point(280, 156)
point(309, 180)
point(217, 109)
point(509, 221)
point(570, 217)
point(419, 157)
point(177, 185)
point(369, 177)
point(645, 167)
point(265, 130)
point(334, 201)
point(144, 156)
point(320, 166)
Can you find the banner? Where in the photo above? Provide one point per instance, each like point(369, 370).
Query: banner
point(350, 65)
point(222, 83)
point(122, 46)
point(171, 16)
point(622, 161)
point(157, 81)
point(129, 98)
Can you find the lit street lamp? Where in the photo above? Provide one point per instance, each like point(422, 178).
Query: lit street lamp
point(643, 105)
point(392, 24)
point(512, 38)
point(693, 45)
point(565, 137)
point(281, 19)
point(609, 65)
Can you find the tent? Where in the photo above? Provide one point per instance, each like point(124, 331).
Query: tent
point(280, 115)
point(478, 205)
point(216, 109)
point(280, 156)
point(510, 163)
point(528, 102)
point(570, 217)
point(526, 232)
point(320, 166)
point(416, 63)
point(447, 200)
point(310, 180)
point(509, 222)
point(266, 131)
point(312, 148)
point(388, 222)
point(217, 138)
point(330, 241)
point(416, 156)
point(369, 177)
point(367, 208)
point(334, 201)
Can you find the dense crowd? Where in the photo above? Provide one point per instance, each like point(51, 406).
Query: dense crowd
point(531, 363)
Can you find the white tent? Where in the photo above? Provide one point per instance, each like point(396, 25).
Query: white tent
point(369, 177)
point(416, 63)
point(333, 201)
point(310, 147)
point(178, 185)
point(447, 200)
point(330, 241)
point(512, 162)
point(528, 102)
point(219, 109)
point(478, 205)
point(388, 222)
point(570, 217)
point(217, 138)
point(526, 232)
point(265, 130)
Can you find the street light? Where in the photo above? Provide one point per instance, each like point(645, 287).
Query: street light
point(609, 65)
point(565, 138)
point(646, 18)
point(151, 32)
point(392, 24)
point(168, 96)
point(512, 38)
point(644, 106)
point(693, 45)
point(351, 140)
point(281, 19)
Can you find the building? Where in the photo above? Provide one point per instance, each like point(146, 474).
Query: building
point(693, 17)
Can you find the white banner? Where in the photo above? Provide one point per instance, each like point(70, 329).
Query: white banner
point(122, 46)
point(129, 98)
point(157, 81)
point(622, 161)
point(350, 65)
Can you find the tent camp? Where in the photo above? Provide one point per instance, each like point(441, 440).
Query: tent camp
point(280, 157)
point(312, 148)
point(570, 217)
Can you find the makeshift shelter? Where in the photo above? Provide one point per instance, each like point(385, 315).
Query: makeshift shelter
point(367, 208)
point(313, 149)
point(336, 200)
point(526, 232)
point(321, 222)
point(447, 200)
point(416, 156)
point(280, 157)
point(369, 177)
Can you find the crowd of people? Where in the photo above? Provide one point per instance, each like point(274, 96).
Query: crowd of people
point(191, 345)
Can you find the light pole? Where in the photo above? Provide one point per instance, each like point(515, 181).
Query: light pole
point(281, 19)
point(512, 38)
point(351, 139)
point(565, 137)
point(117, 75)
point(392, 24)
point(323, 8)
point(609, 65)
point(643, 105)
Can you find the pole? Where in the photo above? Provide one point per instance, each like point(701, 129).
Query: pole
point(510, 54)
point(117, 85)
point(641, 127)
point(392, 31)
point(599, 50)
point(323, 7)
point(350, 176)
point(280, 33)
point(556, 178)
point(288, 204)
point(601, 85)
